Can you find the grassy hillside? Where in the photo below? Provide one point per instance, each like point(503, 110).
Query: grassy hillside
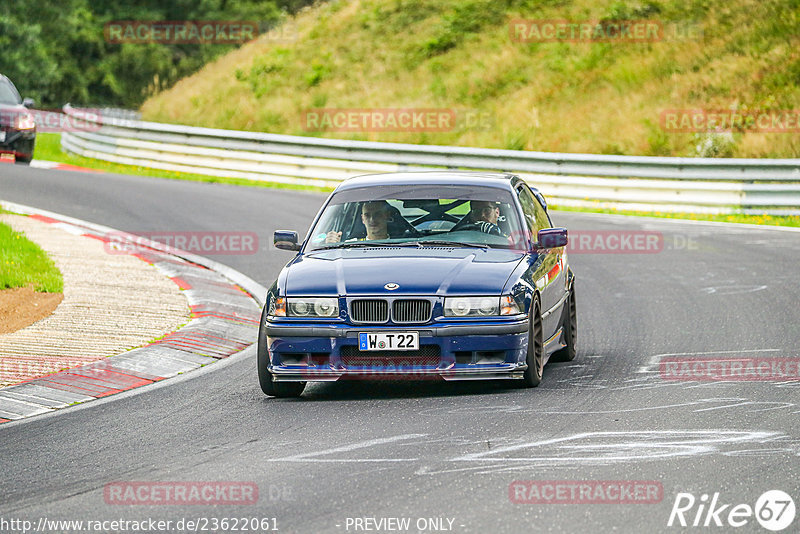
point(598, 97)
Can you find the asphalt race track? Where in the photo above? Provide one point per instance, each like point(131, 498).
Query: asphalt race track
point(431, 450)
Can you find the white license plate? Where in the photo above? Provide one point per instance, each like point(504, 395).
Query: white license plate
point(388, 341)
point(2, 137)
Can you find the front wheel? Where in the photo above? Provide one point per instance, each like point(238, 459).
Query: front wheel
point(535, 357)
point(24, 152)
point(268, 386)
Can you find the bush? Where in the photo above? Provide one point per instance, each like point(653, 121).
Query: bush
point(714, 145)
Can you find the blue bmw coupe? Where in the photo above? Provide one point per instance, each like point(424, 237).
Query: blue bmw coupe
point(447, 275)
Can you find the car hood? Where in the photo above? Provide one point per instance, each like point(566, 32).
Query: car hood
point(9, 111)
point(425, 271)
point(13, 109)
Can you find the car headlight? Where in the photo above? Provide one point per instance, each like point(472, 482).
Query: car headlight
point(509, 306)
point(313, 307)
point(277, 308)
point(471, 306)
point(480, 306)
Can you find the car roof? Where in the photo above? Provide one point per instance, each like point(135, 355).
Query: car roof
point(483, 179)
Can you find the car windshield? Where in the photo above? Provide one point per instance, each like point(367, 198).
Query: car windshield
point(8, 95)
point(483, 217)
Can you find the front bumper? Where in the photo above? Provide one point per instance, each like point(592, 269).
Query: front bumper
point(450, 351)
point(19, 142)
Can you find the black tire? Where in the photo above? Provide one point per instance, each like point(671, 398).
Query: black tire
point(570, 325)
point(268, 386)
point(25, 148)
point(535, 356)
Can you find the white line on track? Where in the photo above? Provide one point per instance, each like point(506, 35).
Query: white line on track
point(309, 456)
point(655, 360)
point(602, 448)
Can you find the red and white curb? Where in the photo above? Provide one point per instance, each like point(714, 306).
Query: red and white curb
point(44, 164)
point(225, 309)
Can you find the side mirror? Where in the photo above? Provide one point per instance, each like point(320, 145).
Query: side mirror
point(28, 102)
point(552, 238)
point(286, 240)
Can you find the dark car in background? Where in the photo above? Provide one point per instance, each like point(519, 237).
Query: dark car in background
point(17, 126)
point(463, 278)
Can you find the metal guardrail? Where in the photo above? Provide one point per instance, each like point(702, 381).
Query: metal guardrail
point(119, 113)
point(624, 182)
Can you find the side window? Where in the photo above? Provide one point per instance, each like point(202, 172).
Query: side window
point(528, 209)
point(528, 202)
point(8, 95)
point(535, 216)
point(542, 220)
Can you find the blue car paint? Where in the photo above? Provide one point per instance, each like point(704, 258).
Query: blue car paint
point(427, 271)
point(430, 272)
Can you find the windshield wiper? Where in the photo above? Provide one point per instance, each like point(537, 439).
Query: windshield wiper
point(418, 244)
point(356, 244)
point(442, 242)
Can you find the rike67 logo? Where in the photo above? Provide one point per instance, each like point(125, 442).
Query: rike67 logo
point(774, 510)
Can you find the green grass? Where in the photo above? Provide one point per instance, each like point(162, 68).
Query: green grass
point(48, 148)
point(590, 97)
point(741, 218)
point(23, 264)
